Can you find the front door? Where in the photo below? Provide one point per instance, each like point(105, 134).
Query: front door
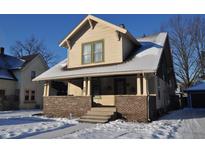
point(120, 86)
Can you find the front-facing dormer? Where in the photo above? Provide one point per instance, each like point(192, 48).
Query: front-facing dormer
point(96, 42)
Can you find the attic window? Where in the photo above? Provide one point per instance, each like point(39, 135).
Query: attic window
point(33, 74)
point(98, 51)
point(92, 52)
point(87, 53)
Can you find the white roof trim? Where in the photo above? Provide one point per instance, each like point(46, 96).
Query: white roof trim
point(90, 17)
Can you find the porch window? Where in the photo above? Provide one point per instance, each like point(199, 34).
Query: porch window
point(141, 83)
point(96, 87)
point(92, 52)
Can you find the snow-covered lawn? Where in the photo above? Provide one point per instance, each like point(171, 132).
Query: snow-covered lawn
point(21, 124)
point(186, 123)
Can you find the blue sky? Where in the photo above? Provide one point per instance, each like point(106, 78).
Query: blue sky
point(53, 28)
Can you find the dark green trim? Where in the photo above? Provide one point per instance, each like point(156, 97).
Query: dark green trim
point(92, 52)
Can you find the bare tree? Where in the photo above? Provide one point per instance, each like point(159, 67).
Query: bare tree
point(30, 46)
point(184, 38)
point(198, 33)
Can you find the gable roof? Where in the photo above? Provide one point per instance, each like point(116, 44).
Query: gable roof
point(200, 86)
point(144, 59)
point(6, 74)
point(98, 20)
point(10, 63)
point(28, 58)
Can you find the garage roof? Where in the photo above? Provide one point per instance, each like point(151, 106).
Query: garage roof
point(200, 86)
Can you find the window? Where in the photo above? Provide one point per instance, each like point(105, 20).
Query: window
point(98, 51)
point(33, 74)
point(32, 95)
point(87, 53)
point(92, 52)
point(26, 95)
point(2, 93)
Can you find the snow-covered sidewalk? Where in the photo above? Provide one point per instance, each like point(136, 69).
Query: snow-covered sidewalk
point(21, 124)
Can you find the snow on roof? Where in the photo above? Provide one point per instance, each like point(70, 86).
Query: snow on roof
point(145, 59)
point(9, 63)
point(200, 86)
point(5, 74)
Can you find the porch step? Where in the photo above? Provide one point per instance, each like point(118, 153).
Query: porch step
point(111, 109)
point(99, 115)
point(95, 117)
point(92, 121)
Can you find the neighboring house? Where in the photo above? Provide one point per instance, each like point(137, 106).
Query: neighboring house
point(196, 95)
point(108, 67)
point(16, 87)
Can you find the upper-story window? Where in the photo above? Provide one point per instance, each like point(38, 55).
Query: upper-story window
point(33, 74)
point(92, 52)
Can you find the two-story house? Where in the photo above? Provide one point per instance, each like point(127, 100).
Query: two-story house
point(109, 71)
point(17, 91)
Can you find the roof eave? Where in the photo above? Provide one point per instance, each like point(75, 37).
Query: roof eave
point(92, 75)
point(90, 17)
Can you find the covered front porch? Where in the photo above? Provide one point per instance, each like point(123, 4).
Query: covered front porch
point(103, 90)
point(132, 96)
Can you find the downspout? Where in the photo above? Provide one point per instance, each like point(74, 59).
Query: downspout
point(148, 100)
point(148, 95)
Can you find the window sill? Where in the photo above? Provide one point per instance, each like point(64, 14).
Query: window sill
point(30, 102)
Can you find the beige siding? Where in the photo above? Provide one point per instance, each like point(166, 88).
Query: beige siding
point(27, 84)
point(107, 100)
point(112, 46)
point(9, 86)
point(107, 88)
point(75, 87)
point(128, 46)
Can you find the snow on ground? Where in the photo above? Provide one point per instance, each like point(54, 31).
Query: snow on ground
point(21, 124)
point(121, 129)
point(186, 123)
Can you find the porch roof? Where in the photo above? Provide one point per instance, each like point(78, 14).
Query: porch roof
point(144, 60)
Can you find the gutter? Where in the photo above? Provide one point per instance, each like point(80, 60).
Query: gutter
point(92, 75)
